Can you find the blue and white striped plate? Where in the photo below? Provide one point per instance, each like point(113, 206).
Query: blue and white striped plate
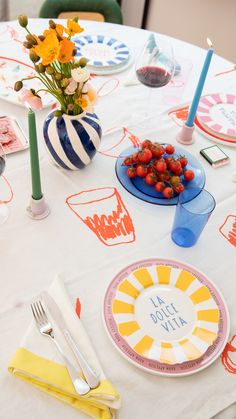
point(101, 51)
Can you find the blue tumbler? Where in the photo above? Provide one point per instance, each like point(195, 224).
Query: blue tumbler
point(193, 210)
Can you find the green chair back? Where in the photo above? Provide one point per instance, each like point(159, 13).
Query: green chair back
point(109, 9)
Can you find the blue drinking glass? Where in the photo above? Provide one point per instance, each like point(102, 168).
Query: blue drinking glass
point(193, 210)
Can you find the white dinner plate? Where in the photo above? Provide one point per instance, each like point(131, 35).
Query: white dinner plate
point(217, 112)
point(12, 70)
point(106, 71)
point(101, 51)
point(166, 317)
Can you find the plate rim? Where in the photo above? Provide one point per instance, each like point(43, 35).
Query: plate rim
point(222, 95)
point(108, 37)
point(18, 102)
point(221, 344)
point(215, 138)
point(23, 136)
point(106, 71)
point(152, 199)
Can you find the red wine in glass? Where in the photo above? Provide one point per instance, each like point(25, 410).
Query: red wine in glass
point(152, 76)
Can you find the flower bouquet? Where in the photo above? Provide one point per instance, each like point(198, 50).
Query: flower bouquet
point(53, 56)
point(72, 132)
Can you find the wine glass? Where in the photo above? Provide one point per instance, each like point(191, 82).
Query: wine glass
point(155, 65)
point(4, 212)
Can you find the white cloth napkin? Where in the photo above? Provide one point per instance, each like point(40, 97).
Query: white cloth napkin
point(38, 362)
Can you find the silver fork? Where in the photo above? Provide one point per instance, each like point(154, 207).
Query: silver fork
point(45, 328)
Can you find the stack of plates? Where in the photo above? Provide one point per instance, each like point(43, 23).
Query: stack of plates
point(216, 117)
point(104, 55)
point(166, 317)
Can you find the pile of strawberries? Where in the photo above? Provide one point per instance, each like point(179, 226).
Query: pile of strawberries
point(156, 164)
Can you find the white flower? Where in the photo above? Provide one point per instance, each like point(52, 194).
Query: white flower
point(80, 75)
point(71, 88)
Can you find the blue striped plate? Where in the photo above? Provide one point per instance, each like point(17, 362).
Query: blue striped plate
point(101, 51)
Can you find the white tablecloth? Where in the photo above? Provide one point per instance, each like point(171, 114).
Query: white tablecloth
point(32, 252)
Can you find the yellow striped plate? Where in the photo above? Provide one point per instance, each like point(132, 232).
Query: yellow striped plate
point(164, 311)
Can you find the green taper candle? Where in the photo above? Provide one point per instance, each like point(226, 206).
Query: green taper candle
point(34, 157)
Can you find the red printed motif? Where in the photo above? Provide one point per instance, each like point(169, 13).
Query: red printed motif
point(226, 72)
point(227, 354)
point(11, 194)
point(104, 212)
point(228, 229)
point(78, 307)
point(115, 150)
point(179, 115)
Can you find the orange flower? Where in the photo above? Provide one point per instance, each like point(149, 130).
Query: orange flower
point(59, 30)
point(66, 50)
point(48, 49)
point(73, 27)
point(82, 102)
point(92, 95)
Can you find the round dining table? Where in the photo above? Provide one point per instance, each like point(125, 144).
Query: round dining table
point(33, 252)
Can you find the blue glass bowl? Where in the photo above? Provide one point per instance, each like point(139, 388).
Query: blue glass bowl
point(141, 190)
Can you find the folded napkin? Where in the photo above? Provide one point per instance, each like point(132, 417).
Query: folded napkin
point(38, 362)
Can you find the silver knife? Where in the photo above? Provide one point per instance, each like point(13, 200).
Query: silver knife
point(91, 377)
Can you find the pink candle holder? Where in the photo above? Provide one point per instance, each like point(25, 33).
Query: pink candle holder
point(185, 136)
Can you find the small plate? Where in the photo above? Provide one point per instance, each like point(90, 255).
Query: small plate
point(141, 190)
point(217, 112)
point(101, 51)
point(12, 70)
point(106, 71)
point(166, 317)
point(12, 136)
point(217, 138)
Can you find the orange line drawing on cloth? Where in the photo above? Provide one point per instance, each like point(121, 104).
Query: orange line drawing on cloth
point(179, 115)
point(114, 82)
point(226, 356)
point(14, 36)
point(78, 307)
point(228, 229)
point(225, 72)
point(7, 34)
point(104, 213)
point(6, 201)
point(133, 140)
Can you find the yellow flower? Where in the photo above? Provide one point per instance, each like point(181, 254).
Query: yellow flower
point(48, 49)
point(73, 27)
point(66, 50)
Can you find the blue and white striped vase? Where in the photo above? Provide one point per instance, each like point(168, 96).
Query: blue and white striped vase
point(72, 140)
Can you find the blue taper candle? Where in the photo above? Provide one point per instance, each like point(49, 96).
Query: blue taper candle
point(201, 82)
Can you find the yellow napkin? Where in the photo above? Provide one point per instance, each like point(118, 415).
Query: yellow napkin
point(38, 362)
